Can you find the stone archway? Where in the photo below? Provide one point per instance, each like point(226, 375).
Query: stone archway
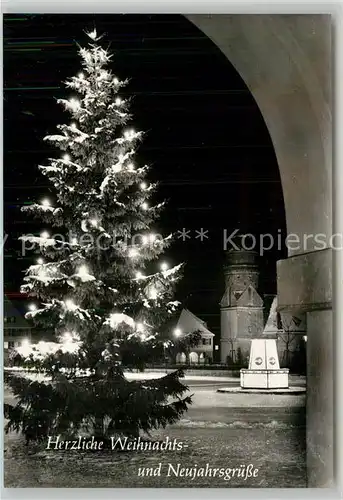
point(285, 61)
point(193, 358)
point(181, 358)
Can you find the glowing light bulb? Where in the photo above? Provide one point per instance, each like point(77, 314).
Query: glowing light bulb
point(164, 266)
point(116, 81)
point(73, 241)
point(75, 103)
point(67, 337)
point(81, 75)
point(70, 305)
point(44, 234)
point(129, 134)
point(139, 327)
point(139, 275)
point(66, 157)
point(46, 202)
point(73, 126)
point(94, 222)
point(32, 307)
point(25, 348)
point(131, 167)
point(118, 101)
point(40, 261)
point(83, 270)
point(133, 252)
point(177, 332)
point(145, 239)
point(153, 293)
point(143, 185)
point(143, 336)
point(152, 238)
point(145, 206)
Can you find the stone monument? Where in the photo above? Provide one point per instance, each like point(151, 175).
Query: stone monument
point(264, 370)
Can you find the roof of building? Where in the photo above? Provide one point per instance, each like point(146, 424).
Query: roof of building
point(248, 298)
point(189, 323)
point(289, 323)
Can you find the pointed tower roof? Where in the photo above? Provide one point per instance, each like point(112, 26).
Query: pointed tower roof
point(250, 298)
point(225, 302)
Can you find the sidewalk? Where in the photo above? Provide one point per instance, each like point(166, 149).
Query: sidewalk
point(148, 375)
point(294, 379)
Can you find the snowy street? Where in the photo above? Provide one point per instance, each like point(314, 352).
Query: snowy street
point(267, 431)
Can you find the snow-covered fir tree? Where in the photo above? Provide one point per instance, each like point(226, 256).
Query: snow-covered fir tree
point(90, 282)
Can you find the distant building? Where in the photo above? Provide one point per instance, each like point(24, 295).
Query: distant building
point(203, 352)
point(241, 307)
point(289, 330)
point(16, 328)
point(245, 315)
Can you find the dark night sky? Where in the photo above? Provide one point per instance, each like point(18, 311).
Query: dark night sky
point(206, 139)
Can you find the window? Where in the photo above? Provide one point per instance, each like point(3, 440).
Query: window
point(206, 341)
point(5, 345)
point(11, 345)
point(11, 332)
point(278, 321)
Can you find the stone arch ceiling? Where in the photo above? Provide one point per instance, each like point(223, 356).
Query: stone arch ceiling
point(285, 61)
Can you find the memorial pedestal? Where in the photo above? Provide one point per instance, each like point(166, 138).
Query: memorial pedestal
point(264, 379)
point(264, 370)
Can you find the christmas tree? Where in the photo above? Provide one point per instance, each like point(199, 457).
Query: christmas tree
point(96, 283)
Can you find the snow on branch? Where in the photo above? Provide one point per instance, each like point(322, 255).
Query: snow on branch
point(115, 320)
point(55, 138)
point(39, 240)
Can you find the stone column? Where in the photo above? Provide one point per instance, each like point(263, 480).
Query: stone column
point(305, 285)
point(285, 60)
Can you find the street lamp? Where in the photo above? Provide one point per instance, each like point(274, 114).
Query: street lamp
point(177, 332)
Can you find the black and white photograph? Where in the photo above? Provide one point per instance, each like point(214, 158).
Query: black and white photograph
point(167, 251)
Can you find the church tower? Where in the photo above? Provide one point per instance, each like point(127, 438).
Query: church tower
point(241, 306)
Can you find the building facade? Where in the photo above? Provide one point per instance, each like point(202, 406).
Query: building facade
point(243, 316)
point(289, 330)
point(241, 307)
point(201, 353)
point(15, 327)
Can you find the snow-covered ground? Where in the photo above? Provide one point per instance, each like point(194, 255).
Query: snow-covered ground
point(294, 379)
